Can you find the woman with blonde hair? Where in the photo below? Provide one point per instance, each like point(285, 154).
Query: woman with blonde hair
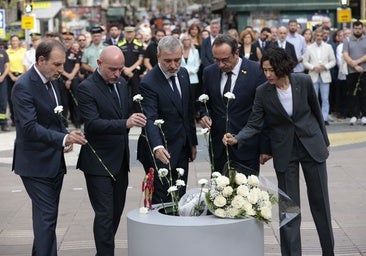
point(191, 61)
point(248, 50)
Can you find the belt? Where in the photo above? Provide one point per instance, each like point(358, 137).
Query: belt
point(16, 73)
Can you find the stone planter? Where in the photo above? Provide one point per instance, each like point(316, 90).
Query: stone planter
point(158, 234)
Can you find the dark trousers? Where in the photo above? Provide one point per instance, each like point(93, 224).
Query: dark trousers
point(10, 88)
point(341, 98)
point(45, 196)
point(3, 102)
point(161, 186)
point(315, 175)
point(356, 98)
point(107, 198)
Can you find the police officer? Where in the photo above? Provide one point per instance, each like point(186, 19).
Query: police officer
point(4, 70)
point(134, 55)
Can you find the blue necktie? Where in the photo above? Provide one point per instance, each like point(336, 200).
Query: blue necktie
point(114, 92)
point(50, 92)
point(175, 88)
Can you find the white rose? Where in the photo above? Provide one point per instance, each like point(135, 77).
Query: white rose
point(253, 181)
point(144, 210)
point(227, 191)
point(220, 213)
point(162, 172)
point(222, 182)
point(229, 95)
point(242, 190)
point(219, 201)
point(266, 213)
point(264, 195)
point(240, 179)
point(137, 98)
point(253, 196)
point(180, 183)
point(180, 171)
point(238, 202)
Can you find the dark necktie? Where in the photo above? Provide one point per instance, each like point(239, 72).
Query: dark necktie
point(228, 83)
point(113, 90)
point(50, 92)
point(175, 88)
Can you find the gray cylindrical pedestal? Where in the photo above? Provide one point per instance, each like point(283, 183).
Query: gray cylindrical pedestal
point(158, 234)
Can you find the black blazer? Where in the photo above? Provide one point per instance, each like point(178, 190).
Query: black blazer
point(104, 126)
point(159, 103)
point(249, 78)
point(306, 122)
point(206, 52)
point(38, 150)
point(289, 48)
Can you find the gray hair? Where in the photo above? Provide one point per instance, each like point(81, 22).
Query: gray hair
point(169, 44)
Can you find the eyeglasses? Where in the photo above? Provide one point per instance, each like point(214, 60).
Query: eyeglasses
point(223, 60)
point(81, 40)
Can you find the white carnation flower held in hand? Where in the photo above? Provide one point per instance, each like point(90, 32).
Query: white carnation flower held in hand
point(163, 172)
point(158, 122)
point(180, 183)
point(180, 171)
point(229, 95)
point(203, 98)
point(202, 182)
point(58, 109)
point(137, 98)
point(172, 189)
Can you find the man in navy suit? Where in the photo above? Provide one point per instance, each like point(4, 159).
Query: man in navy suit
point(245, 77)
point(167, 95)
point(41, 140)
point(284, 44)
point(105, 108)
point(206, 47)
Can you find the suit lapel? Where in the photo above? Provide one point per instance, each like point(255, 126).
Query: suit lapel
point(167, 90)
point(276, 101)
point(103, 87)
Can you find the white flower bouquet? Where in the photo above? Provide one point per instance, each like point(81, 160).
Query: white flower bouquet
point(238, 196)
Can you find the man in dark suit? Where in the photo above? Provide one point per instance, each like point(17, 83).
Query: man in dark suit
point(41, 140)
point(167, 95)
point(115, 34)
point(263, 42)
point(298, 136)
point(206, 47)
point(284, 44)
point(105, 108)
point(245, 77)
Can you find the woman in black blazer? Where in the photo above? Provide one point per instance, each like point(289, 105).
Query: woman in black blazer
point(298, 136)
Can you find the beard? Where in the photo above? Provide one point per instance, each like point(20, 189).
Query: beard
point(357, 35)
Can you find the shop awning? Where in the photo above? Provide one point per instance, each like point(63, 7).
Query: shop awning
point(47, 10)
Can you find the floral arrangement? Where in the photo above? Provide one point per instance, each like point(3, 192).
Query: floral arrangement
point(237, 196)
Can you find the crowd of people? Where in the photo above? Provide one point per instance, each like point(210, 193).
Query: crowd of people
point(96, 75)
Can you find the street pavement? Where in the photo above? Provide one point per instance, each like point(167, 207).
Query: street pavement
point(347, 187)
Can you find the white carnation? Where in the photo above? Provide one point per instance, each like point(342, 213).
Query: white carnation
point(144, 210)
point(233, 212)
point(137, 98)
point(172, 189)
point(202, 182)
point(229, 95)
point(180, 171)
point(180, 183)
point(215, 174)
point(58, 109)
point(266, 213)
point(203, 98)
point(158, 122)
point(162, 172)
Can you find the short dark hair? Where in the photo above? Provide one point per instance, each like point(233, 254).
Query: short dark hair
point(226, 39)
point(357, 23)
point(46, 47)
point(280, 61)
